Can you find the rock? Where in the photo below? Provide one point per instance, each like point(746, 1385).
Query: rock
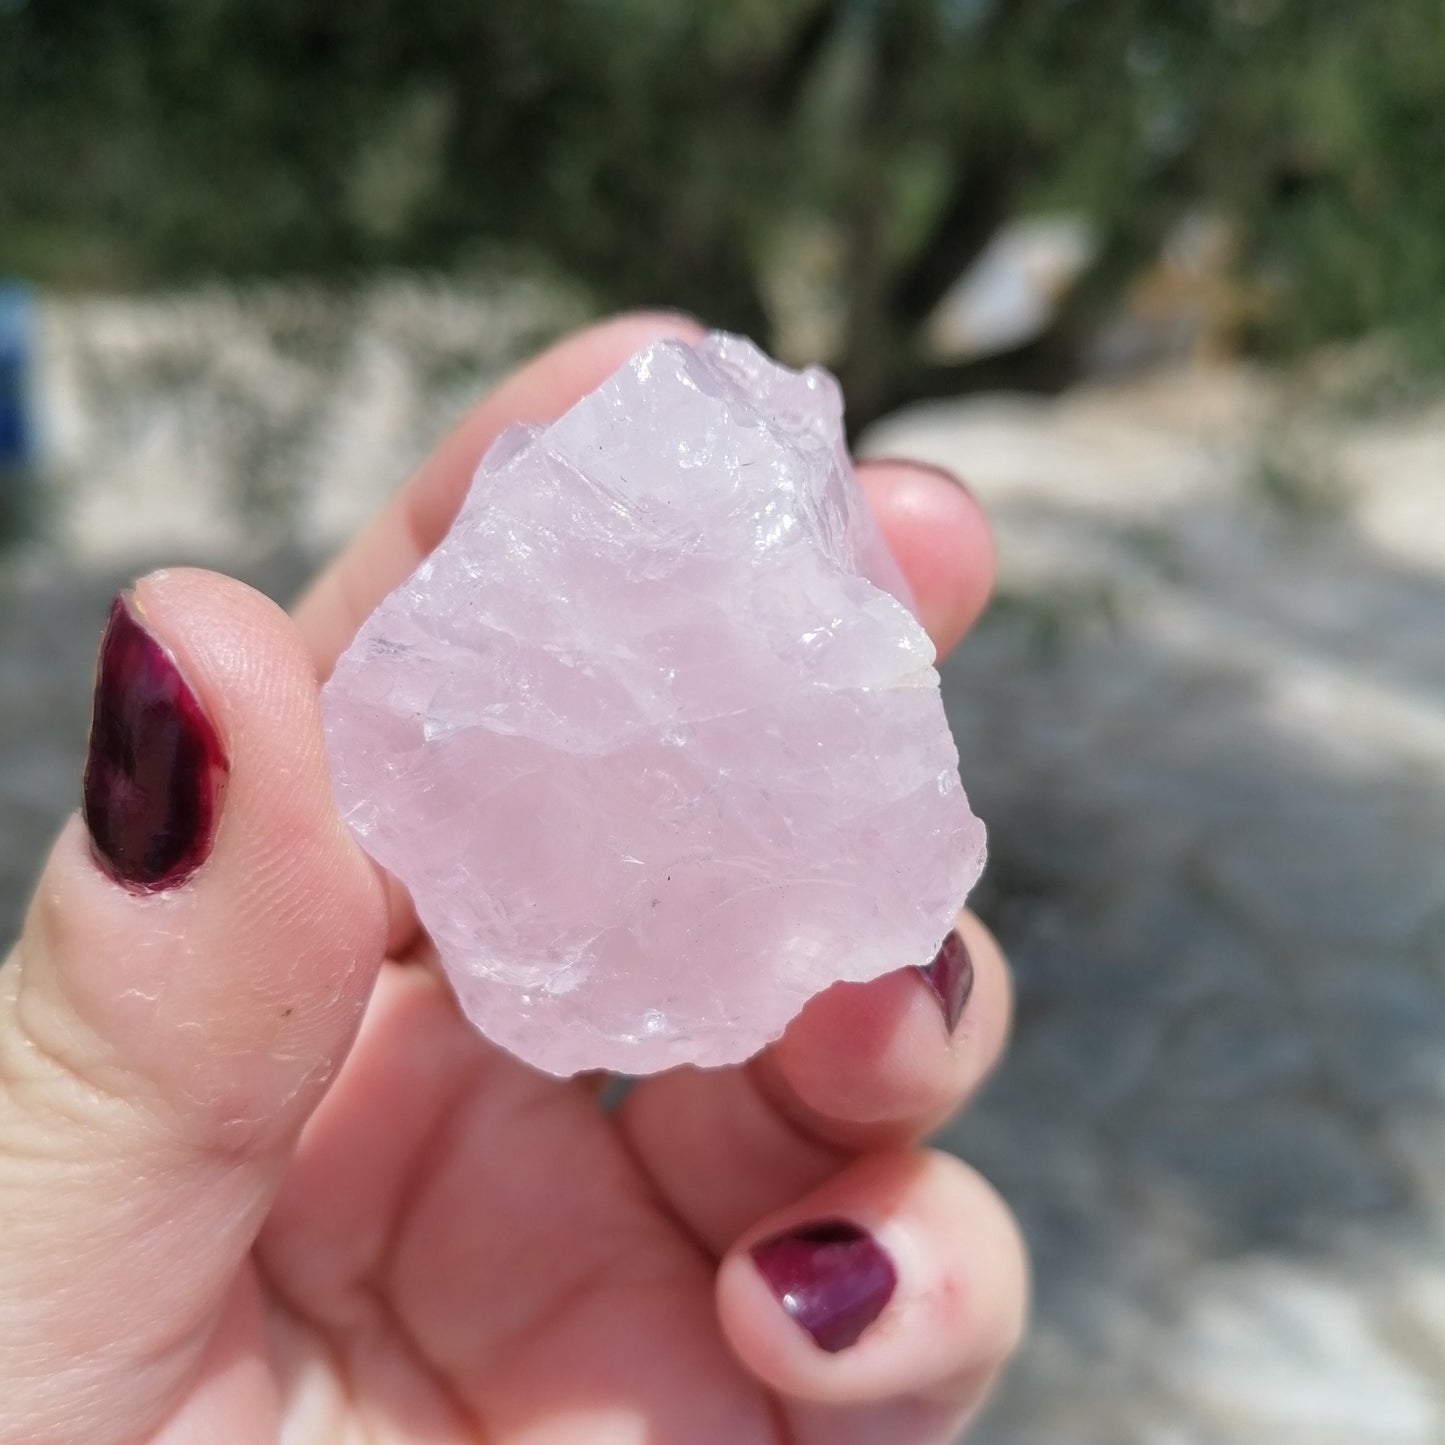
point(651, 737)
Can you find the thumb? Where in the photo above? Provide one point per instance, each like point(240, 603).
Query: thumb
point(192, 970)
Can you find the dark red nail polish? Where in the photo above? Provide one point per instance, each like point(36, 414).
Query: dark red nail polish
point(950, 976)
point(155, 766)
point(832, 1278)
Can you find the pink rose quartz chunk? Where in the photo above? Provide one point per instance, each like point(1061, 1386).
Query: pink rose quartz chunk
point(653, 737)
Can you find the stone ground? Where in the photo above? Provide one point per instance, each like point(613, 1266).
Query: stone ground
point(1205, 721)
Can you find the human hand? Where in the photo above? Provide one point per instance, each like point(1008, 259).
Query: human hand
point(260, 1181)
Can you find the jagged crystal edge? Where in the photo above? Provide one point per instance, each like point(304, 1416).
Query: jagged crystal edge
point(652, 737)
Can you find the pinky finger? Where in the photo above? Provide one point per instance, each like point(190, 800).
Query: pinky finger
point(881, 1306)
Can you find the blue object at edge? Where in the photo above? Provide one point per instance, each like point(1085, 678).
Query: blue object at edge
point(17, 347)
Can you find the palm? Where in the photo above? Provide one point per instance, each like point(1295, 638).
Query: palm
point(467, 1250)
point(468, 1246)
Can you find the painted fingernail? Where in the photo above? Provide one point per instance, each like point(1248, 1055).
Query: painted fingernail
point(155, 766)
point(950, 976)
point(833, 1279)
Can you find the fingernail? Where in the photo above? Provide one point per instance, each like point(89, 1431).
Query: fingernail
point(950, 976)
point(832, 1278)
point(155, 764)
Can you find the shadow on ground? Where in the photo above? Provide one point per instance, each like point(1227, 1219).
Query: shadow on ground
point(1218, 864)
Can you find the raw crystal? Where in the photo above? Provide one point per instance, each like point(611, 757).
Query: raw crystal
point(652, 737)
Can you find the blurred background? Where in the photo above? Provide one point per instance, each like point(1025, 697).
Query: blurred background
point(1165, 281)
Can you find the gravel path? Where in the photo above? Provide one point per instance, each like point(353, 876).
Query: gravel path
point(1204, 722)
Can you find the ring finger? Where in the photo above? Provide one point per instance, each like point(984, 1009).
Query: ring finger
point(882, 1305)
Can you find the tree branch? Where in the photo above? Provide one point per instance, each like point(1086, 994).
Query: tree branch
point(783, 82)
point(978, 203)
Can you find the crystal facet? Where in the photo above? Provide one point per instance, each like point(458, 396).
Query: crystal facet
point(653, 737)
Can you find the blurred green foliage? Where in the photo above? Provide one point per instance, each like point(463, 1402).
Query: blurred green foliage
point(674, 150)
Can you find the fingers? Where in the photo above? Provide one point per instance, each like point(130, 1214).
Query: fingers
point(899, 1286)
point(863, 1066)
point(877, 1064)
point(417, 518)
point(192, 970)
point(939, 537)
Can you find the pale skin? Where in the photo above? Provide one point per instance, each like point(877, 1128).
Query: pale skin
point(259, 1181)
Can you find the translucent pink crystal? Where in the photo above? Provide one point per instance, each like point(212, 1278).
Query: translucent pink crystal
point(651, 737)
